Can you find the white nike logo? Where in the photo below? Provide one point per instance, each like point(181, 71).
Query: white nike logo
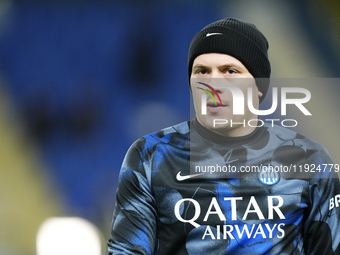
point(179, 177)
point(210, 34)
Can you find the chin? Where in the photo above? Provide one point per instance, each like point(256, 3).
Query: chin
point(209, 124)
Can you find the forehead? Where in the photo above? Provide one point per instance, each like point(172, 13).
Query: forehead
point(212, 59)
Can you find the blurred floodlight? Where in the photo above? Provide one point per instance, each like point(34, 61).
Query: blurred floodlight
point(68, 236)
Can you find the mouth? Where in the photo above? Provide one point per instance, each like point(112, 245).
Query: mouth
point(215, 108)
point(214, 105)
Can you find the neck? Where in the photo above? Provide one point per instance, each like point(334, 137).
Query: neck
point(235, 131)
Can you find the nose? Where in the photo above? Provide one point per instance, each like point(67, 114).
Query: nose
point(217, 78)
point(214, 92)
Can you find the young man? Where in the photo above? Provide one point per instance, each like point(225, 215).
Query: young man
point(187, 189)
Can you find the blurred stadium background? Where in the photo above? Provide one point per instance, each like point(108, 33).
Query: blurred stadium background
point(81, 80)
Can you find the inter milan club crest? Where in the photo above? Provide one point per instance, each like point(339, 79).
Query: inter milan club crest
point(269, 176)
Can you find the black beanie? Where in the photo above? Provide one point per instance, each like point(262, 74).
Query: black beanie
point(239, 39)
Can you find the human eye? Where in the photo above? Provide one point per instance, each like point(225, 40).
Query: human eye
point(230, 71)
point(202, 71)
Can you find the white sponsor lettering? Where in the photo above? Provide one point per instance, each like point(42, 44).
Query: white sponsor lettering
point(334, 202)
point(214, 208)
point(248, 231)
point(217, 211)
point(197, 212)
point(256, 209)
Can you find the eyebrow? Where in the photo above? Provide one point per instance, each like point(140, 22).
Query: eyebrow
point(224, 66)
point(199, 66)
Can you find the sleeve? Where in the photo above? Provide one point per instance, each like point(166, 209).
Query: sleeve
point(134, 219)
point(322, 227)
